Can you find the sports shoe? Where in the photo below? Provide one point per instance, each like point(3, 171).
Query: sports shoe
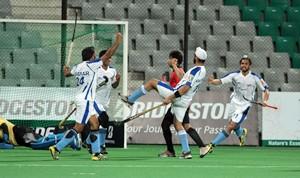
point(186, 155)
point(97, 157)
point(124, 99)
point(103, 150)
point(54, 152)
point(242, 138)
point(205, 150)
point(166, 154)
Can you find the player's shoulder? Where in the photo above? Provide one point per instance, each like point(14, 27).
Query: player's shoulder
point(196, 69)
point(255, 75)
point(234, 72)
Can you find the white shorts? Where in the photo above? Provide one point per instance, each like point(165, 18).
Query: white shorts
point(85, 109)
point(98, 107)
point(238, 113)
point(177, 108)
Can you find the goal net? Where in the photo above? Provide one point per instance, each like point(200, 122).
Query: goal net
point(33, 90)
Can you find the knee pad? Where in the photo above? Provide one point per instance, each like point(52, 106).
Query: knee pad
point(93, 137)
point(104, 119)
point(70, 133)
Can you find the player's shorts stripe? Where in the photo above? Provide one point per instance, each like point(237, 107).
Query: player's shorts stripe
point(244, 116)
point(165, 85)
point(97, 108)
point(86, 112)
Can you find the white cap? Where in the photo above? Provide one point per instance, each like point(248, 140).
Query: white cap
point(200, 53)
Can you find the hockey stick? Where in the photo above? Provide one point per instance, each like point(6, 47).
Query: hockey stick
point(72, 41)
point(138, 115)
point(260, 103)
point(62, 122)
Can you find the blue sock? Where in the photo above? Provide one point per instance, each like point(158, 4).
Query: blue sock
point(136, 94)
point(66, 140)
point(6, 146)
point(220, 137)
point(238, 131)
point(182, 135)
point(95, 141)
point(102, 135)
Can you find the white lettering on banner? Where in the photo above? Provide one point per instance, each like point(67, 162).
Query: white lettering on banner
point(197, 110)
point(157, 129)
point(35, 103)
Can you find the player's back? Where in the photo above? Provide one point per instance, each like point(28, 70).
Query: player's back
point(193, 77)
point(86, 79)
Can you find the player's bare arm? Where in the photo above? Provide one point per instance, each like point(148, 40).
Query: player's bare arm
point(110, 52)
point(67, 71)
point(178, 93)
point(213, 81)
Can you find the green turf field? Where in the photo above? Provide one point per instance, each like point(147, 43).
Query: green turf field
point(140, 161)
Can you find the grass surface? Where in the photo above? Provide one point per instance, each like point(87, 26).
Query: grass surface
point(141, 161)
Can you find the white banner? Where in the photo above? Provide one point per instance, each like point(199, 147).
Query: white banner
point(32, 103)
point(282, 127)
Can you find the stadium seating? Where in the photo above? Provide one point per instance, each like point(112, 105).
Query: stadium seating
point(206, 13)
point(91, 11)
point(154, 26)
point(32, 83)
point(169, 42)
point(240, 3)
point(114, 11)
point(31, 39)
point(268, 29)
point(217, 43)
point(38, 72)
point(245, 29)
point(250, 13)
point(275, 78)
point(10, 39)
point(293, 75)
point(280, 60)
point(285, 44)
point(274, 14)
point(283, 4)
point(159, 12)
point(213, 2)
point(175, 27)
point(291, 29)
point(5, 9)
point(47, 56)
point(223, 28)
point(139, 11)
point(262, 44)
point(240, 43)
point(6, 56)
point(293, 14)
point(229, 13)
point(200, 28)
point(9, 82)
point(259, 4)
point(17, 71)
point(138, 60)
point(24, 56)
point(147, 42)
point(296, 60)
point(295, 3)
point(290, 87)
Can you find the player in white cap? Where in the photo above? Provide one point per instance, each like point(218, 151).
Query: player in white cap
point(180, 96)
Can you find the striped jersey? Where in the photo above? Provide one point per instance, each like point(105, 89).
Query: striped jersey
point(86, 79)
point(193, 78)
point(244, 85)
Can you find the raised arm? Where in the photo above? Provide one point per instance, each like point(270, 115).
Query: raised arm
point(110, 52)
point(116, 83)
point(67, 71)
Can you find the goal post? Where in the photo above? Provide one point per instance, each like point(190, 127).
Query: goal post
point(33, 91)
